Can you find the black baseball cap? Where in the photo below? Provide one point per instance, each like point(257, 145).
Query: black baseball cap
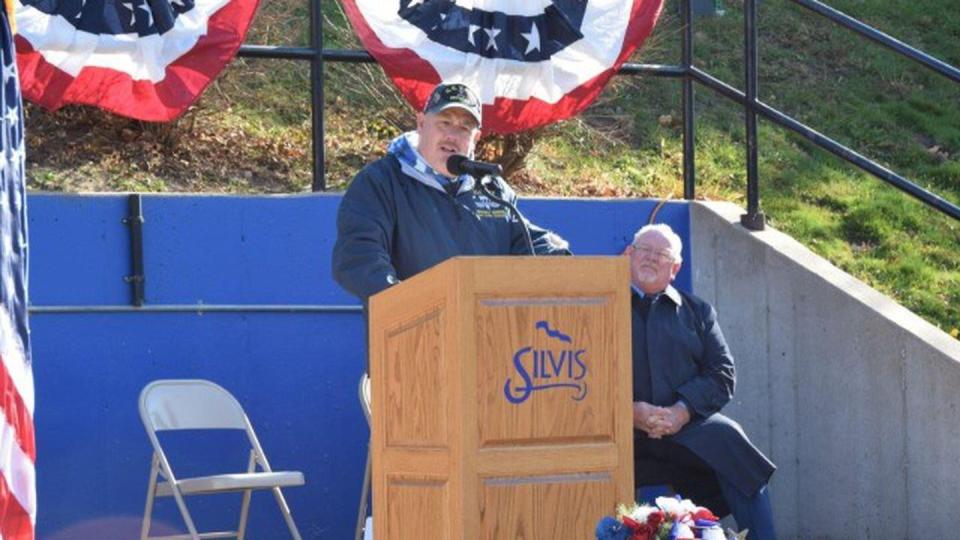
point(449, 95)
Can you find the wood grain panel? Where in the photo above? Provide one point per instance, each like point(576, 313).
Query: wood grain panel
point(546, 507)
point(417, 509)
point(573, 345)
point(506, 511)
point(416, 398)
point(553, 458)
point(572, 507)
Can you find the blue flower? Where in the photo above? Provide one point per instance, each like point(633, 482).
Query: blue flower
point(612, 529)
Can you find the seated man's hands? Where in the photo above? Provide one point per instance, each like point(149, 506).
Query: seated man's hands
point(658, 422)
point(675, 417)
point(649, 418)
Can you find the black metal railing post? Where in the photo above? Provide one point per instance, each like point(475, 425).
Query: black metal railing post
point(135, 220)
point(689, 154)
point(316, 94)
point(753, 219)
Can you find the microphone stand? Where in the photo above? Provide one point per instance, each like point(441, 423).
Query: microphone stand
point(485, 183)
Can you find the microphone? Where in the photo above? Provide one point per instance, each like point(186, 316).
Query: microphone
point(486, 173)
point(458, 164)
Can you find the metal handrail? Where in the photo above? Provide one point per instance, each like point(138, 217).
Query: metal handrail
point(361, 56)
point(195, 308)
point(689, 74)
point(753, 219)
point(304, 53)
point(828, 144)
point(886, 40)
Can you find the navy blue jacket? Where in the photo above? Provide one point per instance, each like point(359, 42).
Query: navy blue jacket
point(391, 226)
point(689, 359)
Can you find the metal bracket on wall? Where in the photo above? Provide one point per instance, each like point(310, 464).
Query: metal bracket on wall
point(135, 220)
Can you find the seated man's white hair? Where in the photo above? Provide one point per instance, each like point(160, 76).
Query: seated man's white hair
point(676, 244)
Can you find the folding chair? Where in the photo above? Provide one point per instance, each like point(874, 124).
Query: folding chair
point(364, 526)
point(197, 404)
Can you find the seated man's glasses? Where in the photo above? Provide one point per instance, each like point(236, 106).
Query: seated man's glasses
point(647, 252)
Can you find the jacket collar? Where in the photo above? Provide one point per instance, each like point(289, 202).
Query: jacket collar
point(412, 164)
point(670, 292)
point(674, 295)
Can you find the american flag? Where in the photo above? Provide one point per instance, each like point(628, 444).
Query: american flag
point(18, 499)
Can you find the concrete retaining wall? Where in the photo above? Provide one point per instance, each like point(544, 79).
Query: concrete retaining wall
point(854, 397)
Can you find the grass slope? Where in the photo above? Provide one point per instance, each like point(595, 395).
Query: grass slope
point(250, 132)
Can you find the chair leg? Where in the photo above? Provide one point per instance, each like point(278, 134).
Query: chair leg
point(244, 512)
point(151, 492)
point(285, 510)
point(182, 505)
point(245, 505)
point(364, 495)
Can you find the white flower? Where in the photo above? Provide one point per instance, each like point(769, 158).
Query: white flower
point(683, 532)
point(640, 513)
point(673, 507)
point(713, 533)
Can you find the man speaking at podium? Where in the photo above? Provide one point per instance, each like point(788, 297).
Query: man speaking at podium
point(407, 212)
point(683, 374)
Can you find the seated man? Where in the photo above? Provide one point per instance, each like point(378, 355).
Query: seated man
point(683, 376)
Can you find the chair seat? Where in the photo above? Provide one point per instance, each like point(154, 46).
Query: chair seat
point(233, 482)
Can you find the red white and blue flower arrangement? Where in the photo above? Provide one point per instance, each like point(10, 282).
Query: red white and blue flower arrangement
point(672, 518)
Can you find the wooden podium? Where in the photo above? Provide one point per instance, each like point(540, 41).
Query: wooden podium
point(501, 399)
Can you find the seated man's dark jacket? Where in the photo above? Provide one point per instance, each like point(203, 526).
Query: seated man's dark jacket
point(687, 358)
point(391, 226)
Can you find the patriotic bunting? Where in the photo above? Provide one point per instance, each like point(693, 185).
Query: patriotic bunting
point(532, 62)
point(145, 59)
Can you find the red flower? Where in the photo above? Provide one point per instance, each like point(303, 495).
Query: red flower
point(655, 519)
point(640, 531)
point(704, 513)
point(631, 524)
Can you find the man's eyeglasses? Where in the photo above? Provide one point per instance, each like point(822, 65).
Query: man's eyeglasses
point(647, 252)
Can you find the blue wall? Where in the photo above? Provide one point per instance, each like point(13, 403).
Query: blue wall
point(295, 373)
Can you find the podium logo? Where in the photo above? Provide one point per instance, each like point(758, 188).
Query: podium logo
point(555, 368)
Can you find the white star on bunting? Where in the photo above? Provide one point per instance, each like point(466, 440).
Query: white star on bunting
point(470, 31)
point(146, 8)
point(532, 37)
point(133, 13)
point(492, 34)
point(443, 18)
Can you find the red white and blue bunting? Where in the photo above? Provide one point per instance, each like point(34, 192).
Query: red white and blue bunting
point(532, 61)
point(146, 59)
